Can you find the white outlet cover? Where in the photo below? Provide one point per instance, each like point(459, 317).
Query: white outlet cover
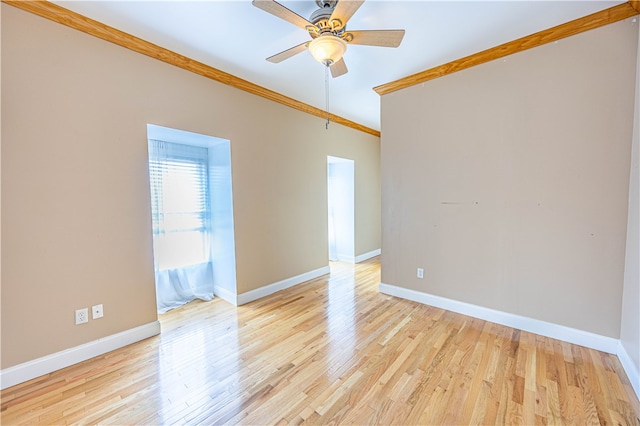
point(97, 311)
point(82, 316)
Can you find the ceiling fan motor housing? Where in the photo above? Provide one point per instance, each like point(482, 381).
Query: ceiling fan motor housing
point(322, 23)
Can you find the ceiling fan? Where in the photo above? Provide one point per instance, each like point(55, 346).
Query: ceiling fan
point(327, 27)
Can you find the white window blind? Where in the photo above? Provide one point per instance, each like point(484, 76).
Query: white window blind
point(179, 179)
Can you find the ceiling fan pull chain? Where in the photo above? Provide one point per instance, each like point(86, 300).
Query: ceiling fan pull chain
point(326, 94)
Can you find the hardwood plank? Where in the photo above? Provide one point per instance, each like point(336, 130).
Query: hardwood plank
point(300, 356)
point(577, 26)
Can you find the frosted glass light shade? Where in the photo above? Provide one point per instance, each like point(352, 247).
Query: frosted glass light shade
point(327, 49)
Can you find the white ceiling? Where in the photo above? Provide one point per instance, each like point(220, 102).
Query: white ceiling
point(236, 37)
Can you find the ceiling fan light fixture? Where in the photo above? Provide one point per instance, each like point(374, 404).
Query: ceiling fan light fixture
point(327, 49)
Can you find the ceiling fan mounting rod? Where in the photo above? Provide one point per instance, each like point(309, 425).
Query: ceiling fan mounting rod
point(326, 3)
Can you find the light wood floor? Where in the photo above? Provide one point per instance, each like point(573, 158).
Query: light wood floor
point(333, 350)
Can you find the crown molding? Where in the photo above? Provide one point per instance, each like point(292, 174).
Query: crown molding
point(577, 26)
point(53, 12)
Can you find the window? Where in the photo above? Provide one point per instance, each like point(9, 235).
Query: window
point(192, 216)
point(181, 217)
point(180, 204)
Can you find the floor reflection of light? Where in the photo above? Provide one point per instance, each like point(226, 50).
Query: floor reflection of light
point(340, 315)
point(195, 360)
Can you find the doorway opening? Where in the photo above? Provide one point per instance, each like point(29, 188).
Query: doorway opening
point(341, 205)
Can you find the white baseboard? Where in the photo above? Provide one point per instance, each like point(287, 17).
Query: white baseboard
point(630, 368)
point(226, 295)
point(555, 331)
point(31, 369)
point(261, 292)
point(345, 258)
point(367, 256)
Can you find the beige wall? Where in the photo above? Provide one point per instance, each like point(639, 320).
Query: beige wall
point(630, 330)
point(75, 203)
point(508, 182)
point(0, 197)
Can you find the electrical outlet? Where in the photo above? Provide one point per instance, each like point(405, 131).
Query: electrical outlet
point(82, 316)
point(97, 311)
point(420, 273)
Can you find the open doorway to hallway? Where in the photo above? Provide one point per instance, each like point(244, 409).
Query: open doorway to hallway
point(340, 202)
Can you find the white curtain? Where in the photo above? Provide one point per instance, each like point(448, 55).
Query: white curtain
point(180, 202)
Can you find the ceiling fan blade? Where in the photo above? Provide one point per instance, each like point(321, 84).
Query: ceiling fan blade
point(384, 38)
point(276, 9)
point(345, 9)
point(286, 54)
point(338, 68)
